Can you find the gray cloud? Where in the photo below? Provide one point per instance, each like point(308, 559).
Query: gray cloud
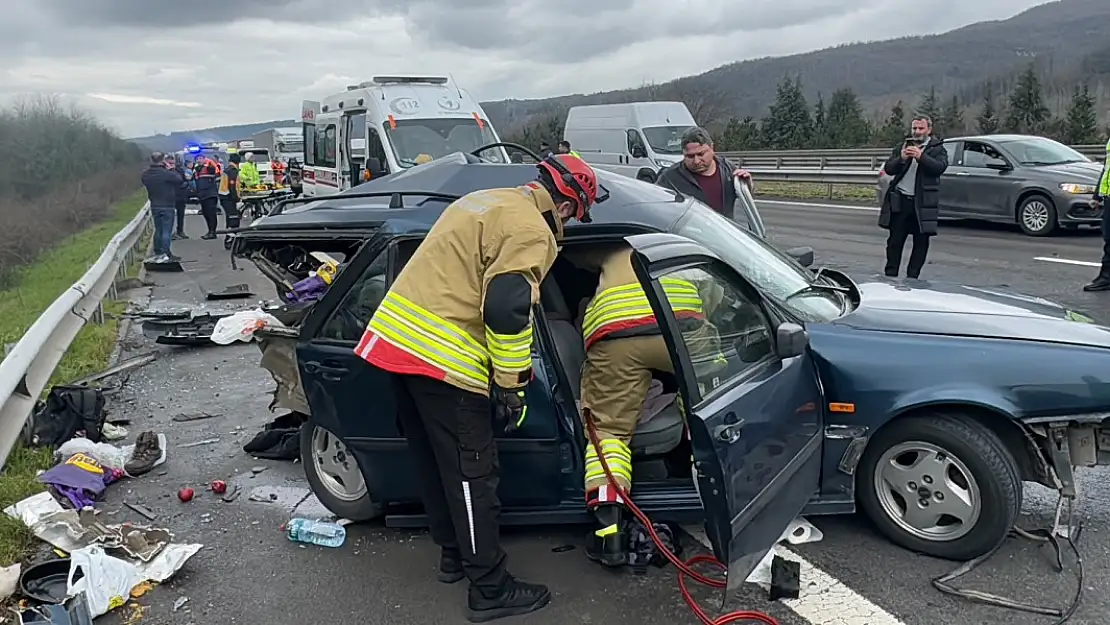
point(252, 60)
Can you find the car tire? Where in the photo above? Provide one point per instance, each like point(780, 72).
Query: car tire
point(1036, 215)
point(320, 448)
point(960, 448)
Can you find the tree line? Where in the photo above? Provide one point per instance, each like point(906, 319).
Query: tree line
point(793, 123)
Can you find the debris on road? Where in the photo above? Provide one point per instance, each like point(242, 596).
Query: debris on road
point(68, 412)
point(218, 486)
point(279, 440)
point(122, 367)
point(183, 417)
point(322, 533)
point(142, 510)
point(242, 325)
point(257, 470)
point(233, 493)
point(149, 451)
point(234, 291)
point(207, 441)
point(9, 580)
point(81, 479)
point(163, 264)
point(180, 603)
point(107, 454)
point(185, 494)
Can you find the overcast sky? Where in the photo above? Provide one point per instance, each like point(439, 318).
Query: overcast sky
point(146, 66)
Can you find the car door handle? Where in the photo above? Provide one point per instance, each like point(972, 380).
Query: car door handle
point(729, 433)
point(326, 372)
point(961, 173)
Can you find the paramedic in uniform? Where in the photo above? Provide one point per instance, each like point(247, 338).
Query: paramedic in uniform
point(624, 346)
point(455, 329)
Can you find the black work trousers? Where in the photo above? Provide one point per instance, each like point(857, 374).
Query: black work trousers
point(1106, 234)
point(179, 208)
point(210, 210)
point(450, 436)
point(904, 225)
point(230, 206)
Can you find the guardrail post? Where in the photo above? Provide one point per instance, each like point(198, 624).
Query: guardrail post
point(778, 163)
point(823, 163)
point(830, 193)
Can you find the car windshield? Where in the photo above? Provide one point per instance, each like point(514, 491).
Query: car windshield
point(665, 139)
point(1041, 151)
point(259, 156)
point(776, 275)
point(427, 139)
point(291, 147)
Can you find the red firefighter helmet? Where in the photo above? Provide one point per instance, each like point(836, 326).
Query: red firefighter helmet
point(574, 179)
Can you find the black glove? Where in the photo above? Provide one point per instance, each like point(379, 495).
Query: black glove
point(509, 408)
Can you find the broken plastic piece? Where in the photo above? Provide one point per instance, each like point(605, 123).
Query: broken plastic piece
point(786, 579)
point(234, 291)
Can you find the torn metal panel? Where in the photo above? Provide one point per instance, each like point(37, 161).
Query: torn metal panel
point(234, 291)
point(279, 357)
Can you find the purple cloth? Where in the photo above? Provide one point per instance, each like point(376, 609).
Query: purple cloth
point(81, 479)
point(310, 289)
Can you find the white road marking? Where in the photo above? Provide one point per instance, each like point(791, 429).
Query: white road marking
point(1067, 261)
point(870, 209)
point(823, 600)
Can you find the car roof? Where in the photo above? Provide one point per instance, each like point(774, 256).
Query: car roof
point(632, 204)
point(994, 138)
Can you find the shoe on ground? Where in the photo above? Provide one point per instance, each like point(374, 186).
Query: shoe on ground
point(1098, 284)
point(209, 236)
point(147, 452)
point(450, 568)
point(518, 598)
point(174, 258)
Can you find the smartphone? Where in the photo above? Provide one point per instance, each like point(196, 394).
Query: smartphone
point(911, 142)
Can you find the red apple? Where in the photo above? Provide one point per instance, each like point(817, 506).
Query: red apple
point(219, 487)
point(185, 494)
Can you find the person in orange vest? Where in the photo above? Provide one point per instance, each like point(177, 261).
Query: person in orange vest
point(207, 177)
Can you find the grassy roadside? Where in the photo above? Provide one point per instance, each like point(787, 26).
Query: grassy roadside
point(816, 192)
point(33, 290)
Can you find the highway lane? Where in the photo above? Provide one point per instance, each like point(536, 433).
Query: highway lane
point(248, 573)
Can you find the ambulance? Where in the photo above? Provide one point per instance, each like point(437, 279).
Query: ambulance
point(386, 125)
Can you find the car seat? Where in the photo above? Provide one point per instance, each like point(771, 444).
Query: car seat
point(659, 436)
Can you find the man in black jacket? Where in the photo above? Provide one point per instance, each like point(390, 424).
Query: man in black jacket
point(911, 204)
point(162, 184)
point(182, 195)
point(703, 175)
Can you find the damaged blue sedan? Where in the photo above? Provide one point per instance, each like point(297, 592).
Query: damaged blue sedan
point(925, 405)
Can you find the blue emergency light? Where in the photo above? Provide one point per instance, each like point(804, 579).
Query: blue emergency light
point(192, 148)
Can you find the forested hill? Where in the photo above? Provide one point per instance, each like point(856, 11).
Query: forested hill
point(1060, 36)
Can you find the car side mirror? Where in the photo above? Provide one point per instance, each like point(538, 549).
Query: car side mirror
point(791, 340)
point(803, 255)
point(999, 166)
point(374, 166)
point(639, 152)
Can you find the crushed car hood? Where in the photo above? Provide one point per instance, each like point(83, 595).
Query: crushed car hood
point(951, 309)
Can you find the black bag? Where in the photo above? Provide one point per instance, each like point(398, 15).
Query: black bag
point(69, 411)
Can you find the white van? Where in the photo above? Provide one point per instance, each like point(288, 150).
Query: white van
point(387, 125)
point(636, 139)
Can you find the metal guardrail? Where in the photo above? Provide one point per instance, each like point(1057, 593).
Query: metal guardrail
point(862, 158)
point(814, 175)
point(26, 370)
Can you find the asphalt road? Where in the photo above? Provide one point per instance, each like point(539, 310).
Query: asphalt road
point(249, 573)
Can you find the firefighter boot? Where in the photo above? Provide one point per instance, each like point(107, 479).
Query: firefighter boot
point(609, 543)
point(1101, 282)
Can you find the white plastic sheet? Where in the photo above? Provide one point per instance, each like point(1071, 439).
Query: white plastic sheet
point(106, 581)
point(799, 532)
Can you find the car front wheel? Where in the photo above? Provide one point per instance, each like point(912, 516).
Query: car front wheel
point(940, 484)
point(334, 475)
point(1037, 216)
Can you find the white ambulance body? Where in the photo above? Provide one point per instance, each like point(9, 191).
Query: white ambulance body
point(387, 125)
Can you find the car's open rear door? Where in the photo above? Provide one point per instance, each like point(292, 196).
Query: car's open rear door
point(752, 396)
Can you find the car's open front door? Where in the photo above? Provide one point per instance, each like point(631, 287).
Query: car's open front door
point(752, 396)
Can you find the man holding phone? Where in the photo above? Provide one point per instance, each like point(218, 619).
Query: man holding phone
point(1102, 194)
point(911, 205)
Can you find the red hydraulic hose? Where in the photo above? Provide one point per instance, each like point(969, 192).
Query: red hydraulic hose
point(685, 569)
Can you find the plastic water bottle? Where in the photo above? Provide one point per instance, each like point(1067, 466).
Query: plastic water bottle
point(323, 533)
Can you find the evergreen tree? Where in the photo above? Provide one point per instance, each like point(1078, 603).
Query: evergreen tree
point(846, 125)
point(987, 121)
point(951, 120)
point(740, 134)
point(1027, 113)
point(1080, 123)
point(820, 128)
point(895, 128)
point(788, 125)
point(929, 105)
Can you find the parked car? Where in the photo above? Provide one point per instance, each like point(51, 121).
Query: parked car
point(1037, 183)
point(924, 404)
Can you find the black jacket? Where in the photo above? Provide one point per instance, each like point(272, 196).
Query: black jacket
point(183, 188)
point(933, 162)
point(162, 185)
point(678, 178)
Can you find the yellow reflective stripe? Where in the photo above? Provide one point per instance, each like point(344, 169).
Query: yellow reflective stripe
point(607, 531)
point(617, 455)
point(386, 329)
point(629, 302)
point(444, 330)
point(510, 352)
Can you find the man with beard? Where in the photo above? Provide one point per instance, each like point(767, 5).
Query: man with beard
point(703, 175)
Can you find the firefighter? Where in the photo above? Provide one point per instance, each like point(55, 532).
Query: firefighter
point(623, 347)
point(455, 331)
point(1099, 201)
point(231, 188)
point(207, 179)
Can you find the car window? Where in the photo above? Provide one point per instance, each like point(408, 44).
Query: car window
point(981, 155)
point(325, 146)
point(775, 275)
point(348, 321)
point(950, 147)
point(635, 141)
point(725, 333)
